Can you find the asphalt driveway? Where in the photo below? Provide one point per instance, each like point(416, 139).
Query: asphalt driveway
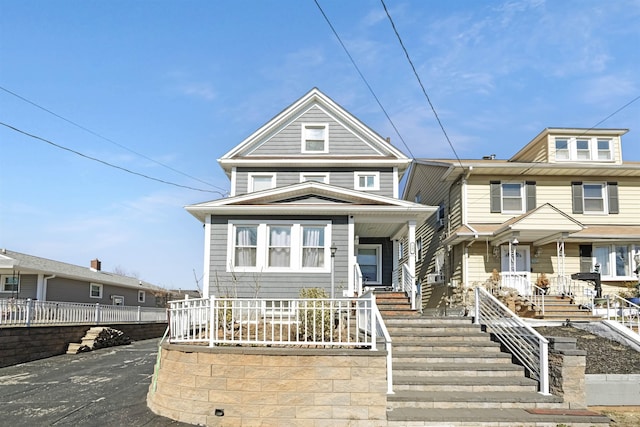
point(105, 387)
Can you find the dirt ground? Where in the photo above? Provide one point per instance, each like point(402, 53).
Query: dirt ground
point(604, 356)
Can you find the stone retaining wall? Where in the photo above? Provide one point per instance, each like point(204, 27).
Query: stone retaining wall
point(24, 344)
point(235, 386)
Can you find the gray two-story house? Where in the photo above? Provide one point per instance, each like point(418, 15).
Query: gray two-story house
point(314, 203)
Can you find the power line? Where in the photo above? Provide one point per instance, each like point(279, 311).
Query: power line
point(364, 79)
point(615, 112)
point(424, 91)
point(107, 139)
point(105, 162)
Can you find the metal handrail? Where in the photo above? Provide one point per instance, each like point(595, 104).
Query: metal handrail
point(522, 341)
point(626, 312)
point(381, 331)
point(538, 297)
point(408, 285)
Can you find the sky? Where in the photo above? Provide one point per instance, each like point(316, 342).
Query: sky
point(157, 91)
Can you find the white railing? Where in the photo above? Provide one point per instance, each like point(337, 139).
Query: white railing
point(581, 291)
point(32, 313)
point(538, 297)
point(357, 279)
point(521, 340)
point(624, 312)
point(409, 285)
point(236, 321)
point(518, 281)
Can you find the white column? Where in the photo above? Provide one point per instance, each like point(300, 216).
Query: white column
point(40, 291)
point(351, 258)
point(411, 262)
point(207, 256)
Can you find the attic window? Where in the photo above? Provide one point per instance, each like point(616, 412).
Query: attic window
point(315, 138)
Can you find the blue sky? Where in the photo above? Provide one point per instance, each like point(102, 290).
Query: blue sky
point(183, 82)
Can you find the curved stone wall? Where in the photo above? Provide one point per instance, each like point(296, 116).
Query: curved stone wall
point(234, 386)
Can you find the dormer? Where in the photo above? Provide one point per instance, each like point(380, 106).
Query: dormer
point(567, 145)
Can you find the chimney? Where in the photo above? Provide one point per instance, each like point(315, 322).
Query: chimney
point(96, 264)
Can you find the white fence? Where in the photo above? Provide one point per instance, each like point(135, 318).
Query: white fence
point(337, 322)
point(35, 313)
point(522, 341)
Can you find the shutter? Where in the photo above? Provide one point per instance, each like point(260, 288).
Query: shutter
point(612, 192)
point(495, 197)
point(530, 191)
point(576, 192)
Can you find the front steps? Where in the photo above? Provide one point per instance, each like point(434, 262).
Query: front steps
point(557, 308)
point(447, 372)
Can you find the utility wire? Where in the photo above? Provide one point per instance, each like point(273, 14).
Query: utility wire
point(107, 139)
point(424, 91)
point(105, 162)
point(614, 113)
point(364, 79)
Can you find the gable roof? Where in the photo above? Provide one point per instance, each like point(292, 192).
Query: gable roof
point(310, 197)
point(381, 151)
point(32, 264)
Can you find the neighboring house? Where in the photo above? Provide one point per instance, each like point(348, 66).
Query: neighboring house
point(565, 203)
point(26, 276)
point(314, 204)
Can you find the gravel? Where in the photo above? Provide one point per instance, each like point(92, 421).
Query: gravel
point(604, 355)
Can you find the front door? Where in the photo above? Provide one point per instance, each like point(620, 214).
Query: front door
point(516, 271)
point(370, 262)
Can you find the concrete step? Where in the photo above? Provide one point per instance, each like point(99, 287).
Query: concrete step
point(425, 321)
point(438, 336)
point(463, 399)
point(450, 346)
point(411, 328)
point(470, 384)
point(474, 358)
point(443, 369)
point(490, 417)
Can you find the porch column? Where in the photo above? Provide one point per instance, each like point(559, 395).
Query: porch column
point(207, 255)
point(351, 256)
point(40, 291)
point(396, 265)
point(411, 237)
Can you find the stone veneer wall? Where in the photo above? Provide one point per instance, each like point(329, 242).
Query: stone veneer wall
point(24, 344)
point(567, 367)
point(270, 386)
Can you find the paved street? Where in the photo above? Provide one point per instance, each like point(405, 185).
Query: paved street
point(106, 387)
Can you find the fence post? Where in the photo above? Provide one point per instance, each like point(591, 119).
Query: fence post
point(139, 316)
point(374, 330)
point(213, 324)
point(97, 313)
point(28, 314)
point(544, 367)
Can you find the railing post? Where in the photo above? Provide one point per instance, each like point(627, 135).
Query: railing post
point(544, 367)
point(374, 330)
point(476, 308)
point(213, 324)
point(28, 313)
point(139, 316)
point(97, 317)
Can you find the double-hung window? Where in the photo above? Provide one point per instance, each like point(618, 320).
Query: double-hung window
point(315, 138)
point(583, 149)
point(367, 181)
point(10, 283)
point(261, 181)
point(278, 245)
point(604, 149)
point(595, 197)
point(562, 149)
point(512, 197)
point(95, 290)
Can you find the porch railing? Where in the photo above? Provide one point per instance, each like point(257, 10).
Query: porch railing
point(409, 284)
point(522, 341)
point(517, 281)
point(32, 313)
point(326, 322)
point(357, 279)
point(624, 312)
point(374, 326)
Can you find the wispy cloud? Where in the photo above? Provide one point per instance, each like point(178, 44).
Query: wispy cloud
point(201, 90)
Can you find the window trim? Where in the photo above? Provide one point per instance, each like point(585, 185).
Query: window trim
point(115, 298)
point(304, 139)
point(325, 175)
point(100, 288)
point(592, 149)
point(142, 296)
point(378, 248)
point(3, 289)
point(604, 198)
point(632, 249)
point(262, 245)
point(252, 175)
point(376, 180)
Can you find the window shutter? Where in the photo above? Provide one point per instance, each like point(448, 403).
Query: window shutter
point(612, 191)
point(495, 196)
point(530, 188)
point(576, 191)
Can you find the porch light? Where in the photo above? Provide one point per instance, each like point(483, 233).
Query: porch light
point(496, 252)
point(515, 241)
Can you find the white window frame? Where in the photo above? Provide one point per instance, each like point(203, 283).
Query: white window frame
point(142, 296)
point(632, 249)
point(252, 176)
point(359, 174)
point(99, 287)
point(523, 198)
point(593, 151)
point(378, 249)
point(604, 196)
point(304, 139)
point(117, 300)
point(4, 278)
point(262, 246)
point(304, 176)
